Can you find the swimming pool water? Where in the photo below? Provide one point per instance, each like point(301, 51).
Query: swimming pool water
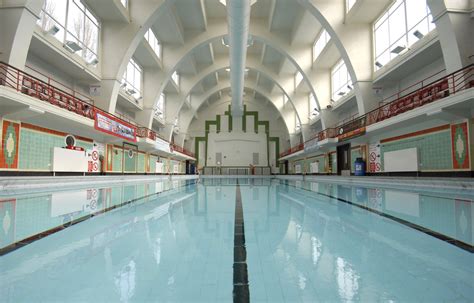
point(173, 241)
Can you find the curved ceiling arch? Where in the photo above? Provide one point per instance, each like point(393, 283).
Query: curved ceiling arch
point(251, 63)
point(224, 86)
point(216, 30)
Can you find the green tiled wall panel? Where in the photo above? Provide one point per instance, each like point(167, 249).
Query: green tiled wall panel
point(141, 163)
point(334, 163)
point(36, 149)
point(153, 160)
point(434, 150)
point(117, 160)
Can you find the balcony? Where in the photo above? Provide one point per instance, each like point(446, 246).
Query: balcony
point(292, 150)
point(46, 90)
point(415, 96)
point(181, 150)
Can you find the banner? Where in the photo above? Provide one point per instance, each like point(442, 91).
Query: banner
point(113, 126)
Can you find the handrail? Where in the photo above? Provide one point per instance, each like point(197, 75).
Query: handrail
point(438, 89)
point(292, 150)
point(72, 91)
point(28, 84)
point(181, 150)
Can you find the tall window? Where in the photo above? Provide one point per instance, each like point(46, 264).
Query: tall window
point(313, 107)
point(285, 99)
point(297, 123)
point(341, 82)
point(132, 79)
point(298, 79)
point(153, 42)
point(350, 4)
point(160, 107)
point(320, 43)
point(175, 78)
point(73, 24)
point(124, 3)
point(404, 23)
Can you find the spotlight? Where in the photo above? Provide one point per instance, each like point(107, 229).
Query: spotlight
point(398, 49)
point(349, 87)
point(418, 34)
point(93, 62)
point(341, 93)
point(131, 91)
point(72, 46)
point(225, 41)
point(123, 85)
point(378, 64)
point(53, 30)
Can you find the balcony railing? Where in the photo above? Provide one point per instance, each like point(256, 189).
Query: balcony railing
point(292, 150)
point(182, 150)
point(425, 93)
point(44, 90)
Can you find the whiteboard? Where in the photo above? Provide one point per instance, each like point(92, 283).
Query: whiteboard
point(401, 160)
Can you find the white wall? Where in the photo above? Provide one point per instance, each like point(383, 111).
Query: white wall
point(237, 148)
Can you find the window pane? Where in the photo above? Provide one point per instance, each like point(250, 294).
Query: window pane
point(397, 25)
point(381, 38)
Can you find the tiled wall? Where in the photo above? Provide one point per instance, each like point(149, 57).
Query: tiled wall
point(35, 152)
point(434, 149)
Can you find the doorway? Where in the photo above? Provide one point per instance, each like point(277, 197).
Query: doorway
point(343, 158)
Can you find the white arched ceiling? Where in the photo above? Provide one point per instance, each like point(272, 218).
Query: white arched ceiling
point(216, 29)
point(252, 64)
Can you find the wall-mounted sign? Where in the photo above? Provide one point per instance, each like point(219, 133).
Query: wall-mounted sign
point(375, 163)
point(351, 134)
point(113, 126)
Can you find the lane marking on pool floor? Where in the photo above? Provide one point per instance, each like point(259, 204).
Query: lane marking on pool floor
point(430, 232)
point(240, 292)
point(19, 244)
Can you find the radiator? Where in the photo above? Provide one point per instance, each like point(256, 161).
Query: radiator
point(401, 160)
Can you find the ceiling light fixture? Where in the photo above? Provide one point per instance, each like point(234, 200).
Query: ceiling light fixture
point(418, 34)
point(72, 46)
point(53, 30)
point(398, 49)
point(93, 61)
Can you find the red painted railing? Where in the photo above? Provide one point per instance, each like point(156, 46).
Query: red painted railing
point(292, 150)
point(182, 150)
point(45, 91)
point(425, 94)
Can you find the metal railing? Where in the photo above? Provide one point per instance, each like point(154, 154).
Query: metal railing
point(44, 90)
point(292, 150)
point(425, 93)
point(182, 150)
point(236, 170)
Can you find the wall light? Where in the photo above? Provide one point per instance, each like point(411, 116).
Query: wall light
point(72, 46)
point(398, 49)
point(418, 34)
point(53, 30)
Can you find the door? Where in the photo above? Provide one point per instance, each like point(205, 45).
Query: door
point(343, 158)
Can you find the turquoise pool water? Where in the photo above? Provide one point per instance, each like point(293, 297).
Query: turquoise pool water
point(173, 241)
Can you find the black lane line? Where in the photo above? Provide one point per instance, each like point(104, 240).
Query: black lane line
point(241, 281)
point(460, 244)
point(14, 246)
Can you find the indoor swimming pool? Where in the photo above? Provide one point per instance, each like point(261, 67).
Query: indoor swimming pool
point(228, 239)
